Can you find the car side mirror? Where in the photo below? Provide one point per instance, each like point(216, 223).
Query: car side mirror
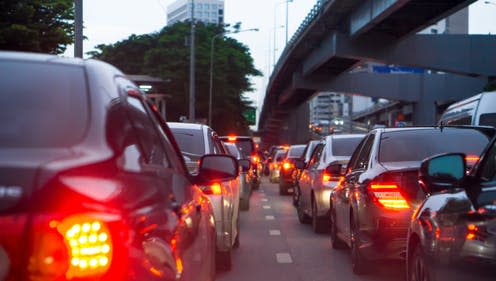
point(442, 172)
point(216, 167)
point(299, 164)
point(245, 164)
point(334, 169)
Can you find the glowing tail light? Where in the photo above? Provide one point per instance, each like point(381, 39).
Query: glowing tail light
point(255, 159)
point(388, 196)
point(471, 159)
point(213, 189)
point(231, 138)
point(79, 246)
point(328, 179)
point(287, 165)
point(476, 232)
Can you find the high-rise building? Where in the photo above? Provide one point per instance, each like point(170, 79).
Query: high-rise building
point(207, 11)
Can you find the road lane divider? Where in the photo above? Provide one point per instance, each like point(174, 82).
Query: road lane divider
point(284, 258)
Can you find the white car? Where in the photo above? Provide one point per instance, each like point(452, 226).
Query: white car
point(196, 140)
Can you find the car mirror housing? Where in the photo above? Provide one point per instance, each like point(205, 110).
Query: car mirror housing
point(245, 164)
point(216, 167)
point(442, 172)
point(299, 164)
point(335, 169)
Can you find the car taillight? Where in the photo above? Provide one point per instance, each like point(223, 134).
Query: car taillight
point(471, 160)
point(388, 195)
point(287, 165)
point(79, 246)
point(477, 232)
point(328, 179)
point(255, 159)
point(213, 189)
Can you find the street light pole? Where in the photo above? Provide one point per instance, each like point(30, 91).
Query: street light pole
point(211, 85)
point(275, 24)
point(78, 28)
point(192, 66)
point(287, 8)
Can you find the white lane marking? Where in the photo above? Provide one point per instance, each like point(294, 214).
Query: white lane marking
point(274, 232)
point(264, 200)
point(284, 258)
point(269, 217)
point(266, 207)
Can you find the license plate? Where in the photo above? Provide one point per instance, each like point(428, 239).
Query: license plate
point(4, 264)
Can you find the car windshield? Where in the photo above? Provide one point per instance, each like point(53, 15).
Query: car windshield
point(245, 146)
point(295, 151)
point(344, 146)
point(42, 104)
point(190, 141)
point(416, 145)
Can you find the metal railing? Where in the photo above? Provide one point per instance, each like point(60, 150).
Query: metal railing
point(309, 19)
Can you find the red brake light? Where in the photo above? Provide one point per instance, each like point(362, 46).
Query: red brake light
point(231, 138)
point(213, 189)
point(255, 158)
point(388, 195)
point(471, 159)
point(286, 165)
point(326, 178)
point(79, 246)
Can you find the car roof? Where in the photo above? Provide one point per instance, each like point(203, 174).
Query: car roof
point(190, 126)
point(344, 136)
point(38, 57)
point(386, 130)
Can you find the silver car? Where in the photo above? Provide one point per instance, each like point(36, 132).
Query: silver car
point(245, 179)
point(318, 180)
point(196, 140)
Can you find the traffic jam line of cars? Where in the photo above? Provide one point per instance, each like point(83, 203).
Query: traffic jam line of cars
point(94, 185)
point(426, 195)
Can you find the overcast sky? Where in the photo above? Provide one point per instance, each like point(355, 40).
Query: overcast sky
point(109, 21)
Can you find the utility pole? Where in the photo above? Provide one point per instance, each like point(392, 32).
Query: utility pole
point(78, 28)
point(192, 117)
point(287, 4)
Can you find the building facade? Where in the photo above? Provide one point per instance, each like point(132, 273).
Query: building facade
point(206, 11)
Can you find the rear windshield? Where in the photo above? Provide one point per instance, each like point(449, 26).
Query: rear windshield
point(190, 141)
point(245, 146)
point(295, 151)
point(416, 145)
point(42, 105)
point(488, 119)
point(231, 148)
point(280, 155)
point(344, 146)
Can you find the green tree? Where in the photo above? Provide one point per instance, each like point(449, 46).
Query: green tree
point(36, 25)
point(166, 54)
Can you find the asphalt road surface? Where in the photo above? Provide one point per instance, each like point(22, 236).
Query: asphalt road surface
point(274, 246)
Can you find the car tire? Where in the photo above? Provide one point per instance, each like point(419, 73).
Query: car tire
point(283, 188)
point(223, 260)
point(336, 242)
point(359, 265)
point(236, 240)
point(418, 269)
point(296, 195)
point(244, 205)
point(318, 223)
point(302, 217)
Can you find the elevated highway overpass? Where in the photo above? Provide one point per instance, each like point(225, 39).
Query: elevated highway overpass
point(338, 35)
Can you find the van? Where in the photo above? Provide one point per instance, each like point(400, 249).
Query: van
point(477, 110)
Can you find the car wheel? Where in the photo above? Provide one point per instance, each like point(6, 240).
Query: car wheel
point(302, 217)
point(283, 189)
point(336, 243)
point(296, 195)
point(244, 205)
point(358, 263)
point(418, 269)
point(223, 260)
point(236, 240)
point(318, 223)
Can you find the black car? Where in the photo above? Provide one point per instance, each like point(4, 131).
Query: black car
point(92, 184)
point(371, 208)
point(288, 171)
point(452, 234)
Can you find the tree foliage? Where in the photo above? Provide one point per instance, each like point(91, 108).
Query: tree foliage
point(166, 54)
point(45, 26)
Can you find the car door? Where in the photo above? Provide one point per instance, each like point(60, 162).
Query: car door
point(308, 177)
point(356, 167)
point(185, 240)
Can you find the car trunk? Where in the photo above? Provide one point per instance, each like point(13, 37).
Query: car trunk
point(405, 176)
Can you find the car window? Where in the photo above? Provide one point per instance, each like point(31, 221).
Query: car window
point(147, 134)
point(41, 95)
point(296, 151)
point(488, 119)
point(344, 146)
point(488, 173)
point(427, 142)
point(280, 155)
point(245, 146)
point(315, 159)
point(363, 158)
point(190, 141)
point(218, 147)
